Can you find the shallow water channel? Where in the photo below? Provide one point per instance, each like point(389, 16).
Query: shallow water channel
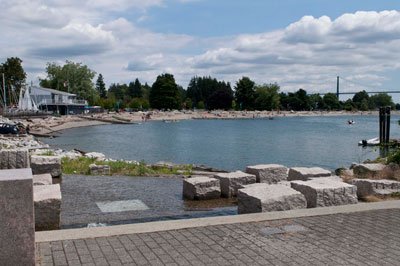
point(101, 200)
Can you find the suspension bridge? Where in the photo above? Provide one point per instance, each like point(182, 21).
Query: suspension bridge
point(338, 92)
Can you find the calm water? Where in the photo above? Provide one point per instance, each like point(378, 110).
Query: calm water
point(327, 142)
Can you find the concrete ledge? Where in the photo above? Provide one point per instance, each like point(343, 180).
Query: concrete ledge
point(59, 235)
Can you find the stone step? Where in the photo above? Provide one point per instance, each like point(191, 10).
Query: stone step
point(201, 188)
point(231, 182)
point(305, 173)
point(323, 192)
point(376, 187)
point(268, 173)
point(47, 206)
point(263, 197)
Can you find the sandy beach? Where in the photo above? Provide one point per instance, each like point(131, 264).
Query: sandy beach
point(49, 125)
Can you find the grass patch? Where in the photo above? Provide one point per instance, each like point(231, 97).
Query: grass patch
point(47, 153)
point(81, 166)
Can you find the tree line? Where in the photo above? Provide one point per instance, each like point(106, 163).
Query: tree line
point(202, 92)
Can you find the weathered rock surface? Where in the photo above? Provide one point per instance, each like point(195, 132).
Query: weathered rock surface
point(99, 169)
point(304, 173)
point(17, 232)
point(46, 164)
point(268, 173)
point(47, 204)
point(368, 170)
point(322, 192)
point(231, 182)
point(201, 188)
point(375, 187)
point(266, 198)
point(43, 179)
point(96, 155)
point(14, 159)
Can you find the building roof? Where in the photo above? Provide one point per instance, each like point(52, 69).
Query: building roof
point(53, 91)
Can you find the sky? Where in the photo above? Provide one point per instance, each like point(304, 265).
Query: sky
point(295, 43)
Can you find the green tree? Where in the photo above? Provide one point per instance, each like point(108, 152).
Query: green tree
point(331, 101)
point(14, 76)
point(136, 104)
point(360, 98)
point(73, 78)
point(316, 101)
point(117, 91)
point(267, 97)
point(381, 99)
point(200, 105)
point(164, 93)
point(244, 93)
point(135, 89)
point(189, 103)
point(221, 99)
point(101, 86)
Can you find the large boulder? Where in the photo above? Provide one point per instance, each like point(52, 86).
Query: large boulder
point(304, 173)
point(201, 188)
point(47, 205)
point(322, 192)
point(44, 179)
point(375, 187)
point(268, 173)
point(266, 198)
point(368, 170)
point(231, 182)
point(46, 164)
point(99, 169)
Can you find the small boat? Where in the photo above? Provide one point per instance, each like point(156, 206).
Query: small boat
point(370, 142)
point(350, 122)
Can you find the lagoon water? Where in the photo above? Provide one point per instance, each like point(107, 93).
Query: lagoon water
point(327, 142)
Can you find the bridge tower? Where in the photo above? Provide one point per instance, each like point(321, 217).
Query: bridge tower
point(337, 88)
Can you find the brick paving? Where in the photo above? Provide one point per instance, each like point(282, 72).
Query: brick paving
point(362, 238)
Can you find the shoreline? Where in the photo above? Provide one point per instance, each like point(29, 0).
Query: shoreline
point(47, 126)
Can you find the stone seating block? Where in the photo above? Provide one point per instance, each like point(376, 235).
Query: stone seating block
point(201, 188)
point(304, 173)
point(47, 202)
point(322, 192)
point(46, 164)
point(376, 187)
point(231, 182)
point(17, 232)
point(266, 198)
point(23, 159)
point(367, 170)
point(44, 179)
point(268, 173)
point(14, 159)
point(99, 169)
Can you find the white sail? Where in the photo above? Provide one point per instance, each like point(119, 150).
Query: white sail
point(20, 100)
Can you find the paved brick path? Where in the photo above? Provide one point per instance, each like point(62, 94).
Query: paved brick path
point(364, 238)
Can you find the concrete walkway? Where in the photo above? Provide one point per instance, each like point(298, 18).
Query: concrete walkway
point(361, 234)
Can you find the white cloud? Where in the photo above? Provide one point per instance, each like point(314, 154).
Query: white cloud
point(309, 53)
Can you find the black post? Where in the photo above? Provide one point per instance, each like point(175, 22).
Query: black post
point(337, 88)
point(380, 125)
point(387, 131)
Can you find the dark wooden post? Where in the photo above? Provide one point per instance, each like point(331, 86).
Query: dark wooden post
point(381, 124)
point(387, 131)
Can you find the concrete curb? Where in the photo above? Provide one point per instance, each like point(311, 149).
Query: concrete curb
point(93, 232)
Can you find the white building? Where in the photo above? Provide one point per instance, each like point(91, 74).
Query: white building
point(57, 101)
